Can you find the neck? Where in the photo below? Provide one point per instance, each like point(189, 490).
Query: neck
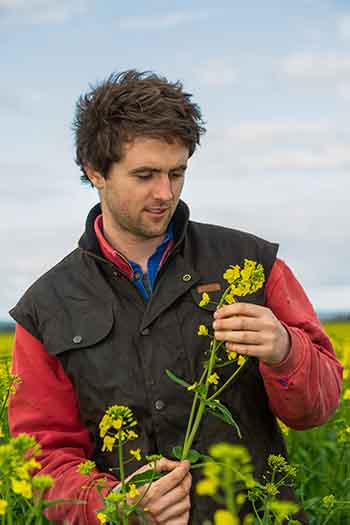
point(131, 246)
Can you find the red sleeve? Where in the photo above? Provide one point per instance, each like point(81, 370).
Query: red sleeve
point(304, 389)
point(45, 406)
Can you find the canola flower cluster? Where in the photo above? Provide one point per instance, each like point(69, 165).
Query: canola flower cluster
point(227, 476)
point(17, 465)
point(243, 281)
point(117, 425)
point(8, 383)
point(228, 479)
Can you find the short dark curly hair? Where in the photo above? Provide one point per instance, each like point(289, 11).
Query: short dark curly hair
point(127, 105)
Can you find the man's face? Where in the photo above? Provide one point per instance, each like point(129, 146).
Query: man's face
point(142, 190)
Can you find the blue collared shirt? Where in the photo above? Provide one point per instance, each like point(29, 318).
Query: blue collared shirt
point(144, 282)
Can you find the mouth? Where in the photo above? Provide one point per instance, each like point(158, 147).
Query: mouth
point(157, 212)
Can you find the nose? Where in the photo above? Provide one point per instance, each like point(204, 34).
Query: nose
point(163, 190)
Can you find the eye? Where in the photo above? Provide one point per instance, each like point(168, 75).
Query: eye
point(177, 174)
point(144, 176)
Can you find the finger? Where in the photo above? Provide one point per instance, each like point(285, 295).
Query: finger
point(172, 504)
point(169, 481)
point(244, 338)
point(166, 464)
point(178, 512)
point(178, 520)
point(238, 323)
point(245, 309)
point(248, 350)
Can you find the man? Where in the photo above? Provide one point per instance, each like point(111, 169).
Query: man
point(102, 326)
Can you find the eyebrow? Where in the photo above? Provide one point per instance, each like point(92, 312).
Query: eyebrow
point(142, 169)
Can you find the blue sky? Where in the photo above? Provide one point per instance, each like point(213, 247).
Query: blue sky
point(273, 81)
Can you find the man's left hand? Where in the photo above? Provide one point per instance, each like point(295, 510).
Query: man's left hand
point(252, 330)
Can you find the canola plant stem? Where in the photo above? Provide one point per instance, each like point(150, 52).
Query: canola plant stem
point(122, 476)
point(218, 392)
point(190, 420)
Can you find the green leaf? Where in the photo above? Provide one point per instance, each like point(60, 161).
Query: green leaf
point(145, 477)
point(193, 456)
point(176, 379)
point(219, 410)
point(177, 452)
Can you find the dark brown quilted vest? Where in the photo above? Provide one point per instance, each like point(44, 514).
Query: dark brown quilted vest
point(115, 347)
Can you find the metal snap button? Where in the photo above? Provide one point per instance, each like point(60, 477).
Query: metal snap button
point(137, 275)
point(187, 277)
point(159, 404)
point(77, 339)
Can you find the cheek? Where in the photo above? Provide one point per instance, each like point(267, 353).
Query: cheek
point(177, 187)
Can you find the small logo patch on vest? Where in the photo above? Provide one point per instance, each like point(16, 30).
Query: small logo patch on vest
point(208, 287)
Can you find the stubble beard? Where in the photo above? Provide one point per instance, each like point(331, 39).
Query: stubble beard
point(142, 230)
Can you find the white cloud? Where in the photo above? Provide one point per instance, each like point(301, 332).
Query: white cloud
point(40, 11)
point(331, 158)
point(272, 131)
point(331, 298)
point(316, 66)
point(163, 21)
point(344, 27)
point(216, 72)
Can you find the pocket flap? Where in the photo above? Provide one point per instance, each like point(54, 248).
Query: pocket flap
point(80, 324)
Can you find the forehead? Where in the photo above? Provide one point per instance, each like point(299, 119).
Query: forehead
point(154, 152)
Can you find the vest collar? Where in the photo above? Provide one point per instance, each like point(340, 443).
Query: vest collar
point(89, 242)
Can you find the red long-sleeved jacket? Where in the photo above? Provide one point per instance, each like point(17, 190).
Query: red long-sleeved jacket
point(303, 390)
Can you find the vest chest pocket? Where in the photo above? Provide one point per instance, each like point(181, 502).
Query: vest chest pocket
point(79, 325)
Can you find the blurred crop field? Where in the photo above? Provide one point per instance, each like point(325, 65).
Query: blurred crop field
point(321, 455)
point(6, 343)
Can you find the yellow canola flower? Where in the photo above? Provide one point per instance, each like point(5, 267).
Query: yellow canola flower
point(249, 519)
point(207, 487)
point(346, 394)
point(240, 498)
point(328, 501)
point(108, 443)
point(102, 518)
point(86, 467)
point(229, 298)
point(117, 424)
point(205, 299)
point(130, 434)
point(231, 355)
point(21, 487)
point(117, 417)
point(43, 481)
point(136, 454)
point(241, 360)
point(232, 274)
point(3, 506)
point(133, 492)
point(225, 517)
point(202, 330)
point(244, 281)
point(192, 387)
point(213, 379)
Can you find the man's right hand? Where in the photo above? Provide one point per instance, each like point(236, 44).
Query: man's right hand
point(167, 500)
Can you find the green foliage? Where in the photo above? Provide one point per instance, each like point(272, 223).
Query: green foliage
point(323, 454)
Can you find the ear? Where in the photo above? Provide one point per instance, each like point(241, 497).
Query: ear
point(95, 177)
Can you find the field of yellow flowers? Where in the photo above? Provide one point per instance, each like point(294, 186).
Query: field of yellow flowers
point(321, 456)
